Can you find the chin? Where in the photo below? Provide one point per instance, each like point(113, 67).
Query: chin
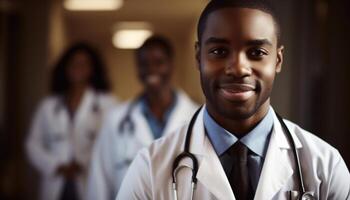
point(235, 110)
point(238, 113)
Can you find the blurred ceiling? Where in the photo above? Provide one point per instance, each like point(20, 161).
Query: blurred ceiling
point(167, 17)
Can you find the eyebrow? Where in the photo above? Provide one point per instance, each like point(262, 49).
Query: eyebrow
point(216, 40)
point(257, 42)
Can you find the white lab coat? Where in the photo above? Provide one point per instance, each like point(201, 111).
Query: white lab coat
point(55, 140)
point(115, 150)
point(325, 173)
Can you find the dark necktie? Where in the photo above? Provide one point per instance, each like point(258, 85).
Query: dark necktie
point(70, 190)
point(239, 177)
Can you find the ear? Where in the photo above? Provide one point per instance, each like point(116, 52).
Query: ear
point(197, 54)
point(279, 62)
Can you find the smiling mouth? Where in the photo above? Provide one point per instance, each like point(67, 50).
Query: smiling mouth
point(237, 91)
point(153, 79)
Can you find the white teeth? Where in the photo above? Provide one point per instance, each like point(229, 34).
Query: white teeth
point(153, 79)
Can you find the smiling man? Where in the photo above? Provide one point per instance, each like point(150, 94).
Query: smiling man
point(236, 144)
point(159, 110)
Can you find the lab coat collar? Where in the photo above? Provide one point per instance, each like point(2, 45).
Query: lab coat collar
point(210, 172)
point(176, 117)
point(282, 140)
point(197, 144)
point(86, 105)
point(144, 132)
point(276, 170)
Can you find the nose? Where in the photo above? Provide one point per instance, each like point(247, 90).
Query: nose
point(154, 67)
point(238, 66)
point(149, 67)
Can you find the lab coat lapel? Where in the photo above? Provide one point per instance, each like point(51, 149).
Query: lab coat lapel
point(143, 132)
point(277, 168)
point(210, 172)
point(212, 175)
point(84, 108)
point(60, 119)
point(176, 118)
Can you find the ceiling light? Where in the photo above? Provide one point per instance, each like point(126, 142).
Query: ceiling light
point(131, 35)
point(130, 39)
point(92, 5)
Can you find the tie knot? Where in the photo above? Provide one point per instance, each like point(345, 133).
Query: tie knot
point(239, 150)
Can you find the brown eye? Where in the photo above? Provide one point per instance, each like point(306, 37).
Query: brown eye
point(257, 53)
point(219, 52)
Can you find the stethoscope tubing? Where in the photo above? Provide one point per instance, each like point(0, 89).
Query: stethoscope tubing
point(186, 154)
point(127, 120)
point(295, 153)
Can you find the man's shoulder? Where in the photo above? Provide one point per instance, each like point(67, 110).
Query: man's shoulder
point(168, 145)
point(317, 147)
point(117, 111)
point(323, 162)
point(112, 120)
point(153, 165)
point(186, 103)
point(163, 150)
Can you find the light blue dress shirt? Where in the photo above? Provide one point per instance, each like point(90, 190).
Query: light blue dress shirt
point(256, 140)
point(157, 126)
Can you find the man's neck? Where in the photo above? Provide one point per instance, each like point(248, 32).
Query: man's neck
point(160, 102)
point(241, 127)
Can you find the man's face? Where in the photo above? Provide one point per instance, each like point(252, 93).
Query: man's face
point(154, 68)
point(238, 59)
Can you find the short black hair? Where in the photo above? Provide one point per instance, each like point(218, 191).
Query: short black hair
point(159, 41)
point(213, 5)
point(59, 80)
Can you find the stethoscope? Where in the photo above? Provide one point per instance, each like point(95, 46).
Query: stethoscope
point(187, 154)
point(127, 126)
point(127, 122)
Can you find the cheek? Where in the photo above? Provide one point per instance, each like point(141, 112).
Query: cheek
point(211, 68)
point(164, 69)
point(207, 76)
point(267, 79)
point(269, 73)
point(266, 70)
point(141, 76)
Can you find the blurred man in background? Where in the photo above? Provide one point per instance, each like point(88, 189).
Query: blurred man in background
point(159, 109)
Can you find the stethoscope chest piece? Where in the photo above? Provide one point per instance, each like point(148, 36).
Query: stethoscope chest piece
point(307, 196)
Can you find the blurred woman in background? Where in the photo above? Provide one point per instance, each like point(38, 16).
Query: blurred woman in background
point(64, 127)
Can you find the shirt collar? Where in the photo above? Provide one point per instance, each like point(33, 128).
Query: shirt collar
point(147, 110)
point(256, 140)
point(157, 126)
